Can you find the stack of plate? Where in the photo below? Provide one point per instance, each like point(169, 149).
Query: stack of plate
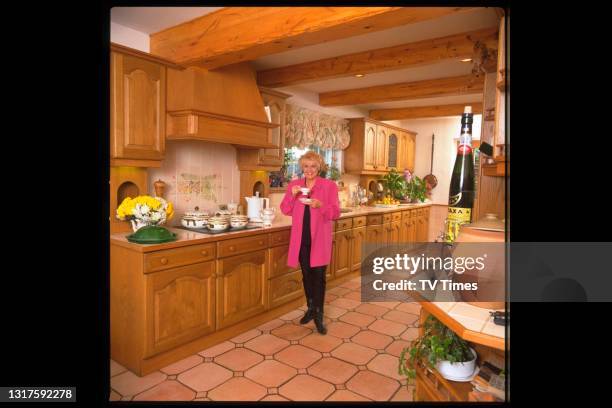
point(239, 221)
point(195, 219)
point(218, 223)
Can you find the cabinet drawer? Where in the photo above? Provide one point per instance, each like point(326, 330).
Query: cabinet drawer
point(396, 216)
point(386, 218)
point(170, 258)
point(285, 288)
point(359, 222)
point(278, 261)
point(241, 245)
point(343, 224)
point(374, 219)
point(405, 214)
point(280, 237)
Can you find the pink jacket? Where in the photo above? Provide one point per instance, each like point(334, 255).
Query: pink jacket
point(321, 220)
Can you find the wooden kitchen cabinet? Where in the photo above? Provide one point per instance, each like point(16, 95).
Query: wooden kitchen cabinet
point(359, 239)
point(180, 306)
point(396, 227)
point(422, 225)
point(242, 287)
point(286, 288)
point(343, 249)
point(138, 109)
point(375, 236)
point(278, 261)
point(376, 148)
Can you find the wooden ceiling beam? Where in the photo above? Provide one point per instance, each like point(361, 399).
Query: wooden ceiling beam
point(460, 85)
point(379, 60)
point(235, 34)
point(417, 112)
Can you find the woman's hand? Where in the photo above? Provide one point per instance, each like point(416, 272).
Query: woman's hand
point(295, 190)
point(314, 203)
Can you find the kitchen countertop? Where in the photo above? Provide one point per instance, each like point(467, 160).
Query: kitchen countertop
point(281, 222)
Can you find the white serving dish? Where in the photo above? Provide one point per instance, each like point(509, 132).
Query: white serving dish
point(457, 371)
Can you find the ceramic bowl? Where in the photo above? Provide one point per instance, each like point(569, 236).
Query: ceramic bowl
point(238, 224)
point(192, 222)
point(213, 226)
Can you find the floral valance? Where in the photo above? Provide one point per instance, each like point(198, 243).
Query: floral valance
point(305, 127)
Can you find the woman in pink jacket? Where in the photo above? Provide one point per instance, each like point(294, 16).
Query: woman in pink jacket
point(310, 244)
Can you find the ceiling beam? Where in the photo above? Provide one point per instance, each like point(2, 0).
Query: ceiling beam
point(384, 59)
point(424, 111)
point(236, 34)
point(460, 85)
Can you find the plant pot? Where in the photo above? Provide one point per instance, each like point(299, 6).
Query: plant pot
point(456, 371)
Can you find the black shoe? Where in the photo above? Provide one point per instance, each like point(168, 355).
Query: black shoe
point(309, 315)
point(318, 319)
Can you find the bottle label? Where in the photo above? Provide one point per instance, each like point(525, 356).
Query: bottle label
point(457, 216)
point(464, 149)
point(452, 200)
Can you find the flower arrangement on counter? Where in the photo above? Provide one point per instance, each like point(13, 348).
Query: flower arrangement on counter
point(145, 210)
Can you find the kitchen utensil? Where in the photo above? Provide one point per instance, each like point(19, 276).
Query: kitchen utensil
point(430, 178)
point(232, 207)
point(255, 205)
point(305, 190)
point(159, 186)
point(268, 215)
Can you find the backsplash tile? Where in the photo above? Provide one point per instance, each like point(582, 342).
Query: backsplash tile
point(201, 174)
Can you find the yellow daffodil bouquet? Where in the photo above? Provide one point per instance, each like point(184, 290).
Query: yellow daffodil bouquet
point(145, 210)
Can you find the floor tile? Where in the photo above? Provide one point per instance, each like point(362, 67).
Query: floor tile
point(270, 373)
point(401, 317)
point(494, 329)
point(339, 291)
point(329, 297)
point(405, 393)
point(342, 330)
point(238, 389)
point(182, 365)
point(239, 359)
point(116, 368)
point(205, 377)
point(346, 395)
point(292, 315)
point(411, 307)
point(246, 336)
point(387, 327)
point(129, 384)
point(371, 309)
point(372, 385)
point(353, 295)
point(271, 325)
point(333, 311)
point(352, 284)
point(372, 339)
point(306, 388)
point(466, 310)
point(396, 347)
point(345, 303)
point(357, 319)
point(386, 364)
point(114, 396)
point(291, 331)
point(298, 356)
point(324, 344)
point(266, 344)
point(354, 353)
point(274, 398)
point(218, 349)
point(410, 334)
point(167, 391)
point(332, 370)
point(388, 304)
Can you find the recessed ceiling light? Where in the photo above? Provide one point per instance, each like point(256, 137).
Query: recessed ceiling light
point(359, 75)
point(466, 60)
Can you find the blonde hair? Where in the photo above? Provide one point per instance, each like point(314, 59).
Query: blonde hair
point(315, 157)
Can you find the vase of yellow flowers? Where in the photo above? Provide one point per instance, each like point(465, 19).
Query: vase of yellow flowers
point(145, 210)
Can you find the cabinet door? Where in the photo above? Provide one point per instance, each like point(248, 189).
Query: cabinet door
point(396, 227)
point(375, 237)
point(421, 229)
point(369, 146)
point(405, 228)
point(138, 108)
point(180, 306)
point(381, 145)
point(274, 157)
point(409, 149)
point(342, 264)
point(393, 150)
point(413, 228)
point(387, 232)
point(278, 261)
point(285, 288)
point(426, 223)
point(359, 238)
point(330, 272)
point(241, 287)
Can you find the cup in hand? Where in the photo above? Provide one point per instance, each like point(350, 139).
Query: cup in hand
point(305, 191)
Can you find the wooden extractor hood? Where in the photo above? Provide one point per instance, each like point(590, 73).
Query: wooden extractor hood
point(223, 105)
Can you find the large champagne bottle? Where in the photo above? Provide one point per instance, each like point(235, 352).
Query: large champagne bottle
point(461, 194)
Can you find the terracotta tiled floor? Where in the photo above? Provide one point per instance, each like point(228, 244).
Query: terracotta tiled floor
point(282, 360)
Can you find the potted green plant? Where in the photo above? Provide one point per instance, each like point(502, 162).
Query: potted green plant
point(395, 184)
point(416, 189)
point(441, 348)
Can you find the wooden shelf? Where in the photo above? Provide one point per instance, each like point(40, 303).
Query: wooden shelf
point(494, 169)
point(438, 388)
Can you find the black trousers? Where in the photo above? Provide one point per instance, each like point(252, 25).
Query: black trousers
point(314, 279)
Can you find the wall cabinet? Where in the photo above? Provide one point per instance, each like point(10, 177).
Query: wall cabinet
point(376, 148)
point(138, 111)
point(180, 306)
point(242, 287)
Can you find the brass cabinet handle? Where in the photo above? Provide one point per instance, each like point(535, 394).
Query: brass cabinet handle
point(213, 275)
point(232, 248)
point(204, 252)
point(275, 265)
point(260, 242)
point(164, 261)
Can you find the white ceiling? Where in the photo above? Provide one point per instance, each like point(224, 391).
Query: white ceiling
point(153, 19)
